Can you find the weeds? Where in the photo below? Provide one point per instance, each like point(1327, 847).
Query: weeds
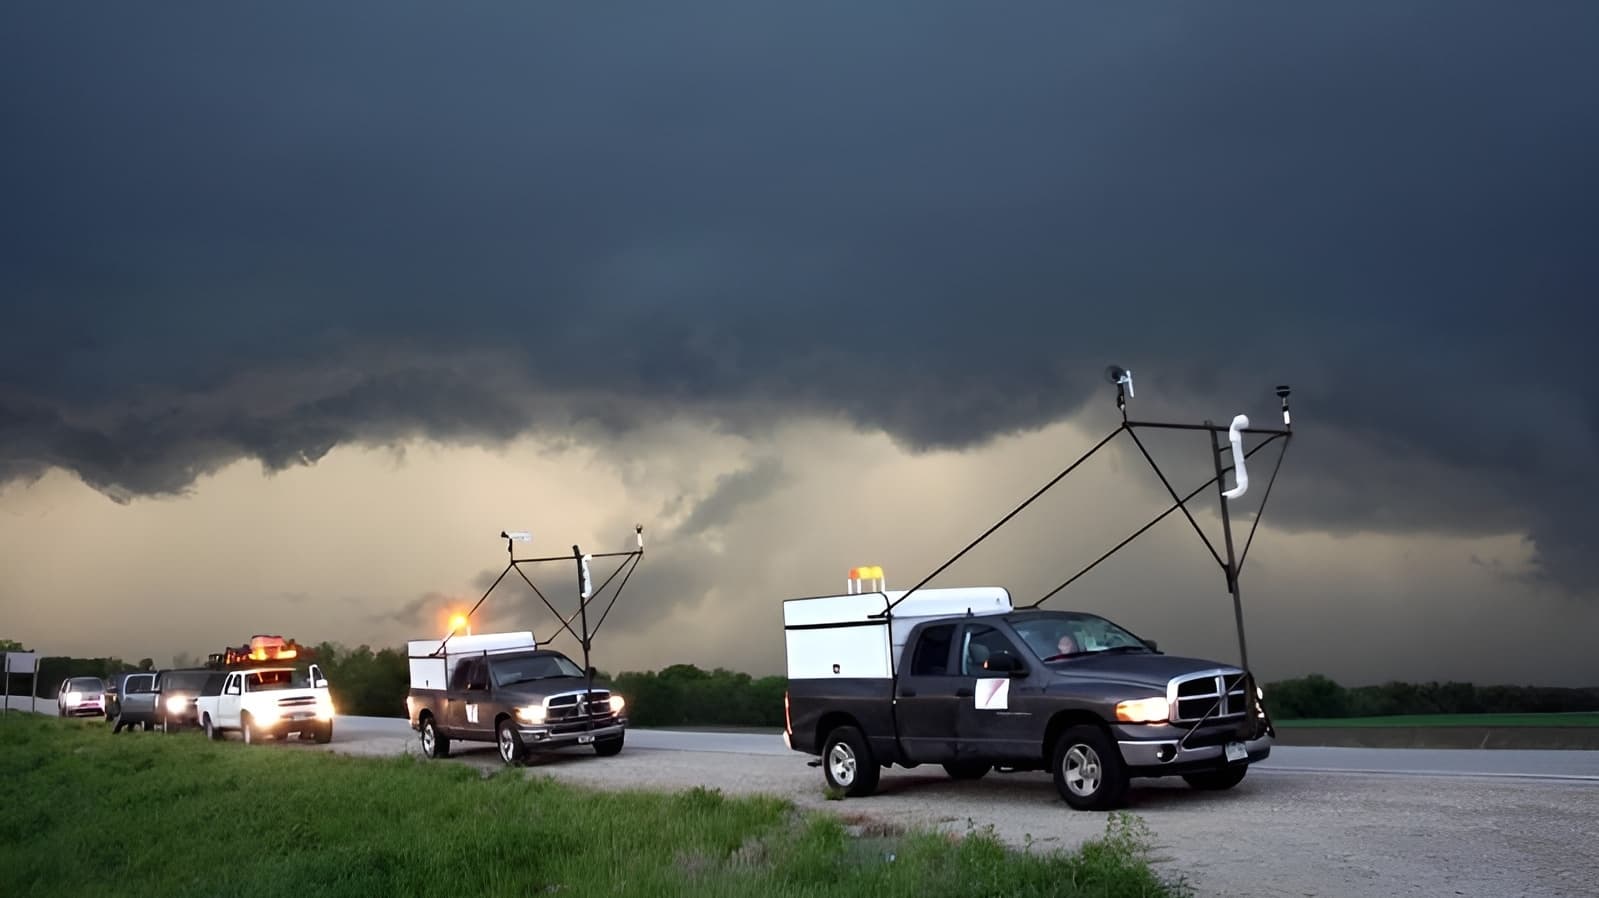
point(178, 815)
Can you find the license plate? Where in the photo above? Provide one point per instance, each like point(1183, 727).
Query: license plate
point(584, 739)
point(1236, 751)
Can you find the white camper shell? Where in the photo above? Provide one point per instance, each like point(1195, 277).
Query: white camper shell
point(430, 671)
point(838, 637)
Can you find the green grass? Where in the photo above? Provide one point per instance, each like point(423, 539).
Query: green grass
point(83, 812)
point(1450, 720)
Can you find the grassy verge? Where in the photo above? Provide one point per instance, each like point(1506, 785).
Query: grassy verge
point(1450, 720)
point(83, 812)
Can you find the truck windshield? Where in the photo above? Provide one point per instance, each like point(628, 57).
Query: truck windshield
point(532, 667)
point(1059, 635)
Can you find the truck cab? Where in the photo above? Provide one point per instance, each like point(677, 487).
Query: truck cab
point(1068, 692)
point(501, 688)
point(262, 702)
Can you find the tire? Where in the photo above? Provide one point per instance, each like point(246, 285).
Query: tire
point(606, 748)
point(211, 732)
point(324, 733)
point(1217, 780)
point(1088, 769)
point(967, 770)
point(848, 762)
point(509, 742)
point(248, 726)
point(434, 743)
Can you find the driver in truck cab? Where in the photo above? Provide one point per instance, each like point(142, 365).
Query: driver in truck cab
point(1067, 645)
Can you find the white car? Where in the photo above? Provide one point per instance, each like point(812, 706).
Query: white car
point(81, 697)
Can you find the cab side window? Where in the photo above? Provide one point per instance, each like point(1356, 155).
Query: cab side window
point(978, 644)
point(932, 652)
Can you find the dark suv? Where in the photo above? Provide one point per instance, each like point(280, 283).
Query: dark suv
point(176, 691)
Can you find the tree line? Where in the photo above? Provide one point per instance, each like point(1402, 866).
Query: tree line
point(373, 683)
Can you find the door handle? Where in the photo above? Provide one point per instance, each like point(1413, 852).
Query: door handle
point(907, 693)
point(963, 692)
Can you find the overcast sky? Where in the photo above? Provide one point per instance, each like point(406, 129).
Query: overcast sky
point(303, 304)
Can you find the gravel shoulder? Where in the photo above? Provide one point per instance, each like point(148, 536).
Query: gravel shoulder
point(1309, 835)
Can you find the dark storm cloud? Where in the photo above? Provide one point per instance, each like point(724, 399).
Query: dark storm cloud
point(942, 221)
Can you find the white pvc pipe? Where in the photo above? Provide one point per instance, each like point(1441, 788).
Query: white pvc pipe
point(1240, 475)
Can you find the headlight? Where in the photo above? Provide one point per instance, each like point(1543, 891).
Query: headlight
point(1260, 694)
point(617, 704)
point(74, 697)
point(266, 716)
point(531, 713)
point(177, 704)
point(1143, 710)
point(324, 707)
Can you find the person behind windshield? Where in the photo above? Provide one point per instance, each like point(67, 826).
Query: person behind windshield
point(1067, 645)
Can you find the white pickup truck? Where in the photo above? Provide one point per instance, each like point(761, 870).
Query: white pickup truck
point(268, 701)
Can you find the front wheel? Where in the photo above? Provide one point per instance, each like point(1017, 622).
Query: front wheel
point(848, 764)
point(1217, 780)
point(606, 748)
point(510, 742)
point(1089, 773)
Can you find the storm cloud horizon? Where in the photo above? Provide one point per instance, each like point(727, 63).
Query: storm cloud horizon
point(263, 235)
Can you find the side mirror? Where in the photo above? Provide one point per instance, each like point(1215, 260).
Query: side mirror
point(1152, 646)
point(321, 683)
point(1005, 663)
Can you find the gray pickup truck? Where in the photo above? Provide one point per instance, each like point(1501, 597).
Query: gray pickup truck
point(1066, 692)
point(519, 700)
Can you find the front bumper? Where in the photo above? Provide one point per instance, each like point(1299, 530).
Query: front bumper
point(293, 721)
point(94, 708)
point(565, 735)
point(1161, 750)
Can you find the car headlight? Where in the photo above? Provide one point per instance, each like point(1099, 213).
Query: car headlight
point(177, 704)
point(324, 707)
point(1260, 694)
point(531, 713)
point(266, 716)
point(74, 697)
point(617, 704)
point(1143, 710)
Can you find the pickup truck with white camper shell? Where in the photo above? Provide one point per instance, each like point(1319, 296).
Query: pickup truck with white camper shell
point(265, 702)
point(961, 678)
point(502, 688)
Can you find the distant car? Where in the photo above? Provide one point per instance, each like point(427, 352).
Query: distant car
point(132, 701)
point(81, 697)
point(176, 691)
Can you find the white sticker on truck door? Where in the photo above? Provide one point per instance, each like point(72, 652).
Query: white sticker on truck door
point(993, 694)
point(471, 713)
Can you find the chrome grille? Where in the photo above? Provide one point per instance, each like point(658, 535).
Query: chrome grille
point(1212, 696)
point(297, 701)
point(574, 706)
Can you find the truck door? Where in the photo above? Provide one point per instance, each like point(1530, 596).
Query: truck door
point(230, 701)
point(467, 710)
point(927, 696)
point(140, 696)
point(995, 718)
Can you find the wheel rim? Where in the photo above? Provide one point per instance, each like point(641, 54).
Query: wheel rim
point(507, 746)
point(841, 763)
point(427, 738)
point(249, 733)
point(1082, 770)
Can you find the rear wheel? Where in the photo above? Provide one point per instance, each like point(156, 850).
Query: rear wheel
point(1088, 769)
point(848, 763)
point(434, 743)
point(1217, 780)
